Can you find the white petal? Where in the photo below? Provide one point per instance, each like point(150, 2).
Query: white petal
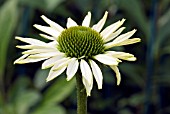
point(50, 62)
point(52, 24)
point(71, 23)
point(87, 86)
point(112, 28)
point(87, 19)
point(53, 74)
point(128, 41)
point(72, 68)
point(105, 59)
point(34, 47)
point(36, 51)
point(86, 71)
point(116, 70)
point(122, 38)
point(57, 69)
point(52, 44)
point(97, 74)
point(21, 58)
point(26, 46)
point(122, 55)
point(31, 41)
point(113, 35)
point(42, 55)
point(61, 63)
point(48, 30)
point(101, 23)
point(47, 37)
point(29, 60)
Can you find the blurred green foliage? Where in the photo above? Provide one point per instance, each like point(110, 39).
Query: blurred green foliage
point(23, 89)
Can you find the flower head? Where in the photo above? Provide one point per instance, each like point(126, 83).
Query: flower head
point(78, 47)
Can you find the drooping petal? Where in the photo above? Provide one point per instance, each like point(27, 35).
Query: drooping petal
point(101, 23)
point(128, 41)
point(27, 46)
point(113, 35)
point(31, 41)
point(21, 58)
point(29, 60)
point(88, 86)
point(53, 74)
point(34, 47)
point(71, 23)
point(87, 19)
point(58, 68)
point(120, 39)
point(107, 60)
point(112, 28)
point(61, 63)
point(48, 30)
point(52, 24)
point(97, 74)
point(52, 44)
point(42, 55)
point(116, 70)
point(124, 36)
point(122, 55)
point(36, 51)
point(50, 62)
point(86, 71)
point(47, 37)
point(72, 68)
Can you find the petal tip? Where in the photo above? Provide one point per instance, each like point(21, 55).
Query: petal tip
point(43, 16)
point(17, 37)
point(68, 79)
point(118, 83)
point(106, 13)
point(134, 30)
point(36, 25)
point(47, 80)
point(89, 13)
point(123, 20)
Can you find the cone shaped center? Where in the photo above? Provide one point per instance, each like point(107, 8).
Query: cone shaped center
point(80, 41)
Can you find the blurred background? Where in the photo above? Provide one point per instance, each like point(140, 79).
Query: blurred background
point(145, 85)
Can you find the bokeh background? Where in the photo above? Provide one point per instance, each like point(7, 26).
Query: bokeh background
point(145, 85)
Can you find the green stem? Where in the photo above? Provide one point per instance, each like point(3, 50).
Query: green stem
point(81, 95)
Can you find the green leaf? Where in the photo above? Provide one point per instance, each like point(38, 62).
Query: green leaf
point(136, 99)
point(133, 71)
point(25, 100)
point(1, 104)
point(52, 4)
point(33, 3)
point(21, 83)
point(47, 5)
point(163, 34)
point(40, 78)
point(58, 91)
point(50, 109)
point(8, 22)
point(125, 111)
point(134, 10)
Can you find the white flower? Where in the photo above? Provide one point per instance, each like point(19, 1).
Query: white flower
point(85, 48)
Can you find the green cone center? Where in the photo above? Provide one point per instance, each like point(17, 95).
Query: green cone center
point(80, 41)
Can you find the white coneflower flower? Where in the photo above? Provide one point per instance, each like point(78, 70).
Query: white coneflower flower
point(78, 47)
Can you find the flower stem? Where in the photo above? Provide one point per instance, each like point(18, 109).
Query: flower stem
point(81, 95)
